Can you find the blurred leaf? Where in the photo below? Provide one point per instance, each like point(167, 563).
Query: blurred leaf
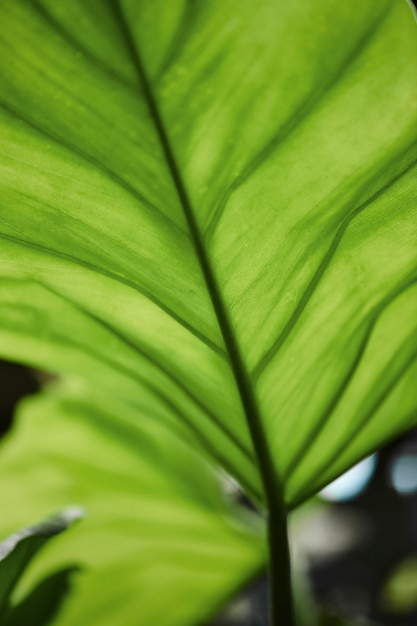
point(160, 544)
point(17, 551)
point(399, 594)
point(42, 604)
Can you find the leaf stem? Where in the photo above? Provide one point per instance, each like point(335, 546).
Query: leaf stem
point(282, 612)
point(280, 587)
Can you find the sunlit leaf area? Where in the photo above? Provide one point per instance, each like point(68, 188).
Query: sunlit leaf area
point(208, 313)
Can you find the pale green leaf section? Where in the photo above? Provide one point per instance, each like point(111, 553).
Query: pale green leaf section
point(208, 208)
point(159, 545)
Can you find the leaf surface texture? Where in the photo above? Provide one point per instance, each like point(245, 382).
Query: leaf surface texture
point(209, 212)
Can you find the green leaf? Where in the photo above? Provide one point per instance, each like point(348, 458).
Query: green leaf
point(399, 591)
point(41, 606)
point(207, 211)
point(160, 543)
point(210, 211)
point(18, 550)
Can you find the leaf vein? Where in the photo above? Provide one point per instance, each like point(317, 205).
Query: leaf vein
point(299, 116)
point(138, 348)
point(271, 483)
point(177, 42)
point(308, 293)
point(70, 39)
point(303, 494)
point(371, 323)
point(141, 199)
point(121, 279)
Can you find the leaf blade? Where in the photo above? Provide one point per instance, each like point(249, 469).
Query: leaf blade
point(18, 550)
point(157, 524)
point(338, 152)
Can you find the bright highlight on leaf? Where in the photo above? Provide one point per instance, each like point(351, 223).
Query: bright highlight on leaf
point(207, 213)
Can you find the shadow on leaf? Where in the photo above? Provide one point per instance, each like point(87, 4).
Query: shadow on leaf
point(44, 602)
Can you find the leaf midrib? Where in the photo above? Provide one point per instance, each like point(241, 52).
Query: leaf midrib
point(272, 487)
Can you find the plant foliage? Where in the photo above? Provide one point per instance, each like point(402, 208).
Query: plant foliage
point(16, 552)
point(208, 230)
